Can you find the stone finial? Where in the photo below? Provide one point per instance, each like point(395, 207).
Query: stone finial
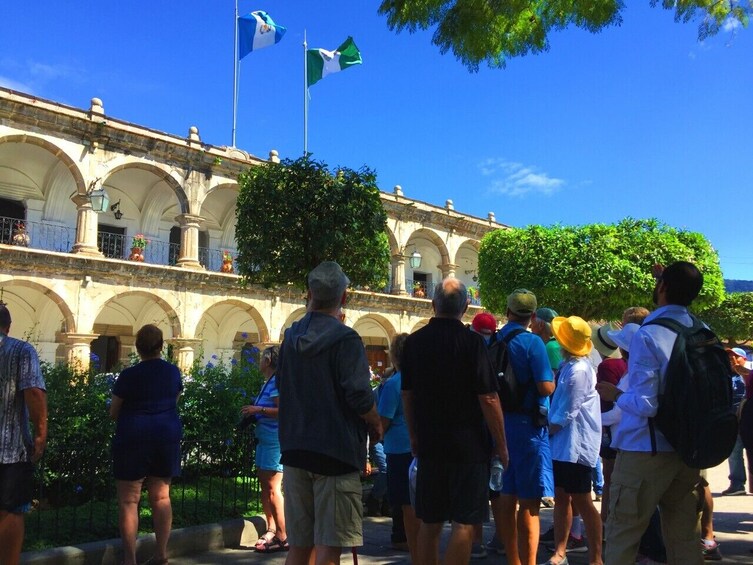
point(492, 217)
point(97, 107)
point(193, 134)
point(274, 156)
point(449, 204)
point(398, 190)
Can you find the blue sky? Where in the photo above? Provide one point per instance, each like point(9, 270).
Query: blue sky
point(640, 120)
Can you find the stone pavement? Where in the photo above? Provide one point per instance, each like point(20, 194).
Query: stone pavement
point(733, 523)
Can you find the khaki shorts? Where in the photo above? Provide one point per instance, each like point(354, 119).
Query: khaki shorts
point(322, 510)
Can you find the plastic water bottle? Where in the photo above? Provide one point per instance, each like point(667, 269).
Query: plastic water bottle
point(495, 477)
point(412, 474)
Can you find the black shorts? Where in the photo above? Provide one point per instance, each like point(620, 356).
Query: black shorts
point(132, 462)
point(573, 478)
point(398, 488)
point(16, 487)
point(452, 491)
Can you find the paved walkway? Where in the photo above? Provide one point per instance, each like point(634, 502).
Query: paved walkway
point(733, 522)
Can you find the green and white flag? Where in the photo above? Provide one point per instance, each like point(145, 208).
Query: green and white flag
point(321, 62)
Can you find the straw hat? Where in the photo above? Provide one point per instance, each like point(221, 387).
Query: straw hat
point(573, 334)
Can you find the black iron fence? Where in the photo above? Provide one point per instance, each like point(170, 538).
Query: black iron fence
point(39, 235)
point(74, 506)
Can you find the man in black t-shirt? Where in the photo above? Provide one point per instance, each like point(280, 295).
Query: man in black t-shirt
point(450, 399)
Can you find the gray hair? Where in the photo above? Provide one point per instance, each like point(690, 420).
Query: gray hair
point(273, 354)
point(450, 297)
point(327, 282)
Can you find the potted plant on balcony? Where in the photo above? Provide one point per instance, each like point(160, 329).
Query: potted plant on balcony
point(20, 236)
point(227, 262)
point(418, 290)
point(137, 247)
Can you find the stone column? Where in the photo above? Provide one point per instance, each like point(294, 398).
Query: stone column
point(398, 274)
point(79, 349)
point(189, 241)
point(448, 270)
point(86, 227)
point(184, 351)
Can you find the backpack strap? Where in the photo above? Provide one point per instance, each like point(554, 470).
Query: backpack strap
point(679, 329)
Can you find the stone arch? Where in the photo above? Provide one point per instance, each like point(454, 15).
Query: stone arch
point(218, 210)
point(378, 320)
point(68, 319)
point(369, 327)
point(434, 238)
point(58, 152)
point(466, 261)
point(160, 171)
point(172, 319)
point(418, 325)
point(223, 324)
point(294, 316)
point(435, 257)
point(39, 315)
point(394, 245)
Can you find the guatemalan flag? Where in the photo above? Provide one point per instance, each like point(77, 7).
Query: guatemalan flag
point(257, 30)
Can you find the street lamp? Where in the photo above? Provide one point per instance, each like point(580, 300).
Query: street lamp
point(98, 197)
point(415, 259)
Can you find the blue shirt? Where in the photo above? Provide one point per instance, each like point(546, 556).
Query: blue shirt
point(650, 350)
point(396, 438)
point(266, 398)
point(529, 360)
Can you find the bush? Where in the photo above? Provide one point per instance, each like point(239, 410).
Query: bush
point(77, 466)
point(77, 463)
point(210, 409)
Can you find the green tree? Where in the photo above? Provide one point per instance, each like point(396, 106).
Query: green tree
point(478, 31)
point(732, 320)
point(593, 271)
point(293, 215)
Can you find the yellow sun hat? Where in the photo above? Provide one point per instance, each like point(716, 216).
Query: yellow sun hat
point(573, 334)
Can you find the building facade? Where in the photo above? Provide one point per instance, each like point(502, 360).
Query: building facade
point(79, 287)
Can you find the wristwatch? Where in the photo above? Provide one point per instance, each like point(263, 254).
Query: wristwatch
point(263, 409)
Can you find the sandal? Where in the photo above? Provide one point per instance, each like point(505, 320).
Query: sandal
point(276, 544)
point(264, 540)
point(552, 562)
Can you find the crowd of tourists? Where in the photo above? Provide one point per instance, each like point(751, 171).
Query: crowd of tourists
point(545, 407)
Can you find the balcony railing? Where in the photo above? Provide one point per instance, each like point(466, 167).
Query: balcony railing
point(38, 235)
point(51, 237)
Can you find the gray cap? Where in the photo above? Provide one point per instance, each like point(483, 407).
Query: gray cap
point(327, 281)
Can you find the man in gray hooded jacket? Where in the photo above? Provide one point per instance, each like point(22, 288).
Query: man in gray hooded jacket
point(326, 407)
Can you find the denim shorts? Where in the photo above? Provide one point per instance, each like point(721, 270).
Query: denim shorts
point(267, 456)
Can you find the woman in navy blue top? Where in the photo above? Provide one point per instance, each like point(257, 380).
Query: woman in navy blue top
point(146, 446)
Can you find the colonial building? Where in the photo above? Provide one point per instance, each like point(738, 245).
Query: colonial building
point(78, 284)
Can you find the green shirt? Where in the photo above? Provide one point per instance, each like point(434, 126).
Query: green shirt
point(554, 354)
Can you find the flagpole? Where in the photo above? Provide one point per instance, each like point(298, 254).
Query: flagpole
point(305, 98)
point(235, 73)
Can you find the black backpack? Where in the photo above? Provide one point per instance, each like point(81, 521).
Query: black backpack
point(696, 412)
point(511, 392)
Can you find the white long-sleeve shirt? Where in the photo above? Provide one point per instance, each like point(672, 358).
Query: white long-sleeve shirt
point(650, 350)
point(576, 407)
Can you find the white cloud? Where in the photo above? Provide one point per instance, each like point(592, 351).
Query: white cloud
point(517, 179)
